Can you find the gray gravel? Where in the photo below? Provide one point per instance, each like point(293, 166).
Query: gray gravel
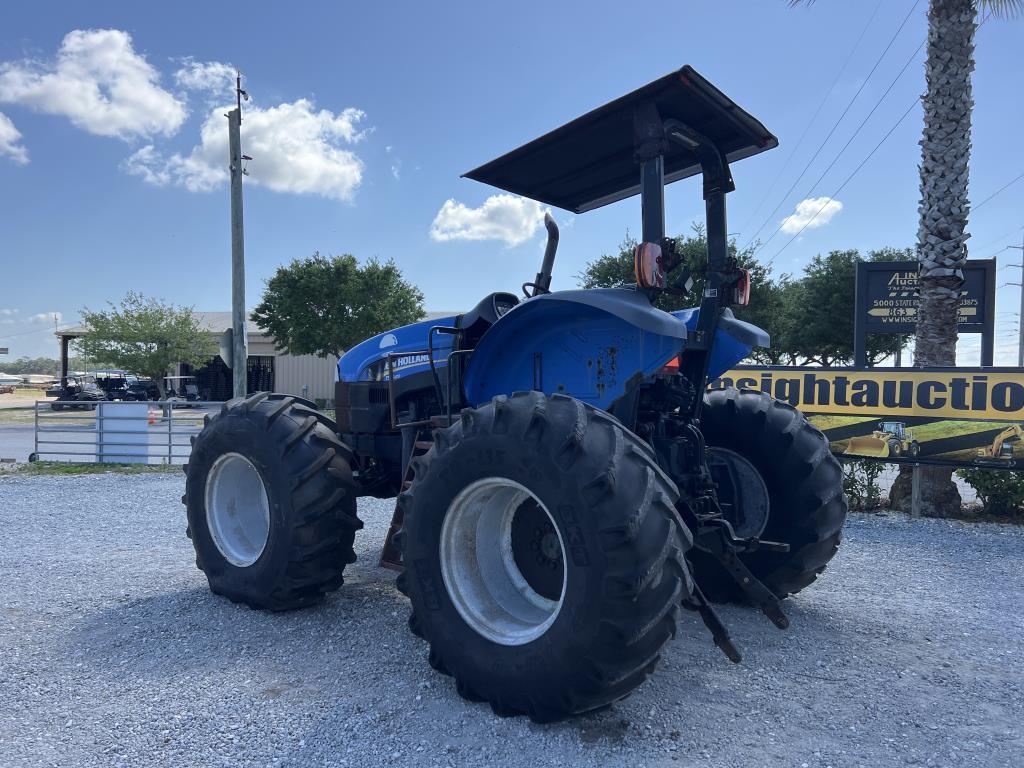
point(113, 652)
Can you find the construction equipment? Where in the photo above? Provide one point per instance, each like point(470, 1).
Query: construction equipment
point(891, 439)
point(1000, 452)
point(562, 494)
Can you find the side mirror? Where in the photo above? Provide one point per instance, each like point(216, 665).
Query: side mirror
point(649, 266)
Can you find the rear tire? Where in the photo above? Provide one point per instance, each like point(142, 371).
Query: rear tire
point(280, 538)
point(594, 632)
point(805, 488)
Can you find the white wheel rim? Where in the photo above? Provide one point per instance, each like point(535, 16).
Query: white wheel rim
point(237, 509)
point(479, 567)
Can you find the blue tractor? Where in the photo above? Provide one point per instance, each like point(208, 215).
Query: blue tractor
point(566, 486)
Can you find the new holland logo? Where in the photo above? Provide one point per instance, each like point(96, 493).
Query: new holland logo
point(388, 340)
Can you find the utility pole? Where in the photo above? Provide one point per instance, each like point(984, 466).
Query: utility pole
point(1020, 322)
point(238, 318)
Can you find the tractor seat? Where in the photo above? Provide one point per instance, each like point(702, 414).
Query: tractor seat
point(485, 314)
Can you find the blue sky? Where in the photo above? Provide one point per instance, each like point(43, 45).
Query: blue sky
point(367, 114)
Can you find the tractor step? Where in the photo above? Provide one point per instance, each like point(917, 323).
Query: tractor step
point(390, 556)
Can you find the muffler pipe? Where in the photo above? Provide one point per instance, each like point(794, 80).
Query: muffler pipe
point(542, 283)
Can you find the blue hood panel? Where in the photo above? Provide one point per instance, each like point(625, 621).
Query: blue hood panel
point(367, 361)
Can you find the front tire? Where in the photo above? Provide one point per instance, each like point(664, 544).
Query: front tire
point(805, 490)
point(271, 503)
point(545, 560)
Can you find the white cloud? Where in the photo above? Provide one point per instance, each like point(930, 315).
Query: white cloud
point(295, 149)
point(9, 138)
point(811, 213)
point(9, 312)
point(211, 77)
point(148, 164)
point(100, 83)
point(509, 218)
point(46, 317)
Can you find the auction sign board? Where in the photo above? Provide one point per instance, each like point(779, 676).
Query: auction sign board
point(962, 417)
point(887, 299)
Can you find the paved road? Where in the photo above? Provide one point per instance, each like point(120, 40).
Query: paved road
point(16, 441)
point(907, 652)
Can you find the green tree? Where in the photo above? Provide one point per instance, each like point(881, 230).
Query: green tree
point(944, 208)
point(145, 336)
point(766, 294)
point(49, 366)
point(326, 304)
point(819, 308)
point(43, 365)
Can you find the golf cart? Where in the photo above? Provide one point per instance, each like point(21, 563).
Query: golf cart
point(181, 389)
point(142, 388)
point(114, 383)
point(121, 385)
point(78, 392)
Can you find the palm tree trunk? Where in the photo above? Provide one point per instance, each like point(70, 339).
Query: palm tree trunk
point(942, 232)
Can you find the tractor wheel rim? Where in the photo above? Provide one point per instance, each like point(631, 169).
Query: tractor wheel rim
point(237, 509)
point(479, 568)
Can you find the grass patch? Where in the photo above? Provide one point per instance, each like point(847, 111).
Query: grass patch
point(67, 468)
point(17, 415)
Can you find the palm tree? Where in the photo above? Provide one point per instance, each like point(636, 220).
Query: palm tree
point(944, 207)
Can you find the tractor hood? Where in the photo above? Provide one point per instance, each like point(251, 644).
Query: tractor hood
point(367, 361)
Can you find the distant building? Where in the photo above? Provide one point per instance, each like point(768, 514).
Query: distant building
point(268, 369)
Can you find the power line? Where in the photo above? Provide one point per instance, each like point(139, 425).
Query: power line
point(814, 117)
point(997, 192)
point(835, 125)
point(999, 239)
point(37, 330)
point(853, 136)
point(872, 152)
point(847, 180)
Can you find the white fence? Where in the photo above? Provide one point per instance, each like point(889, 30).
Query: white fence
point(154, 432)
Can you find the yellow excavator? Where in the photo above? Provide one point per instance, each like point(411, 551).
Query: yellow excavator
point(1000, 452)
point(891, 439)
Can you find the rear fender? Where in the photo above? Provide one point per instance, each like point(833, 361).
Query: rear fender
point(590, 344)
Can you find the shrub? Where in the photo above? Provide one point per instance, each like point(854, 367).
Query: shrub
point(1001, 491)
point(860, 486)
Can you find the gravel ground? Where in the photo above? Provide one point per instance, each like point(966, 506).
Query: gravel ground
point(114, 653)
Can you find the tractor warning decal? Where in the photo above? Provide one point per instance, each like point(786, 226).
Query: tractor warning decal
point(950, 416)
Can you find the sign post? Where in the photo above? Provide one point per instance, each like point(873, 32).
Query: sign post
point(887, 300)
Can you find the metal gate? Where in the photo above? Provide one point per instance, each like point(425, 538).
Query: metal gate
point(154, 432)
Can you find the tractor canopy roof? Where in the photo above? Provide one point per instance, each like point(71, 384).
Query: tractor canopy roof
point(590, 162)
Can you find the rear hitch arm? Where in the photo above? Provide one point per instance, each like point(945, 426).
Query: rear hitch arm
point(716, 536)
point(714, 624)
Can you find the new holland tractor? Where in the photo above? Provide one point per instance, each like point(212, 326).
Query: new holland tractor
point(566, 487)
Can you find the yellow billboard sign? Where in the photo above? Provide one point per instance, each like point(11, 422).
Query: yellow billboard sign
point(974, 394)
